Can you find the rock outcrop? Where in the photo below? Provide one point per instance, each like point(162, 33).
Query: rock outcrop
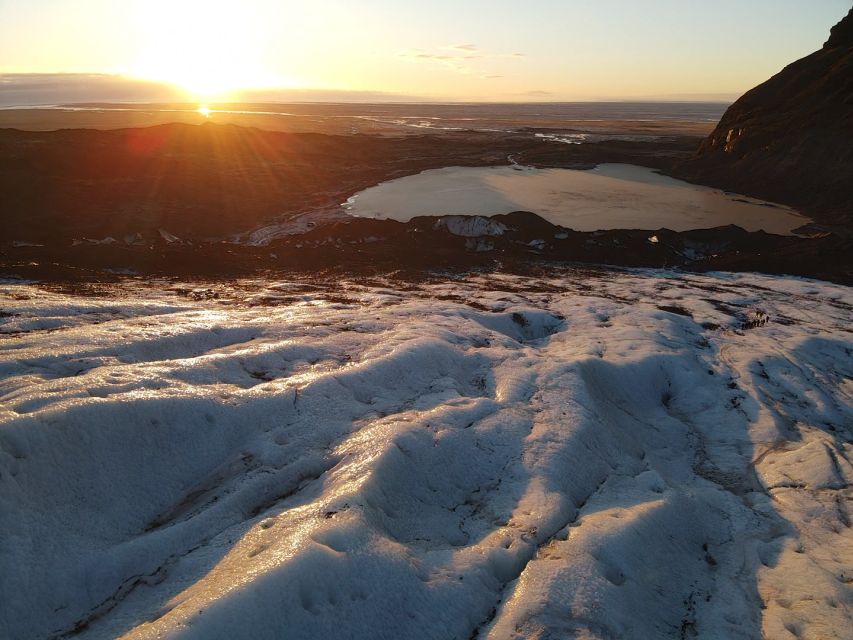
point(789, 139)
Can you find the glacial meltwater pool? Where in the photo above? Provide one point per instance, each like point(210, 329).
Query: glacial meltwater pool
point(611, 196)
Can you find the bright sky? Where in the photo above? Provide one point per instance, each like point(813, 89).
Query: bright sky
point(449, 49)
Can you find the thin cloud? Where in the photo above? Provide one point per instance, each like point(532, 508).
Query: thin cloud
point(538, 93)
point(30, 89)
point(460, 59)
point(464, 47)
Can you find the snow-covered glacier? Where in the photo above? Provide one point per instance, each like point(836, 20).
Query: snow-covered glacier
point(587, 454)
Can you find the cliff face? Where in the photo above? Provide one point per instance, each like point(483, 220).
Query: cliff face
point(790, 139)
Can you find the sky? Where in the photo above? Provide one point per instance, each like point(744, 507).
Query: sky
point(502, 50)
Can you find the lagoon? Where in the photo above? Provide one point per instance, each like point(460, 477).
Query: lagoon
point(611, 196)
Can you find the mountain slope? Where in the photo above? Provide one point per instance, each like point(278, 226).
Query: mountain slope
point(788, 139)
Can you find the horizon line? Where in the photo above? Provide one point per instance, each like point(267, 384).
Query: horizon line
point(437, 102)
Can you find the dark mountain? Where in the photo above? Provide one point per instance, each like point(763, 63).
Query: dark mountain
point(790, 139)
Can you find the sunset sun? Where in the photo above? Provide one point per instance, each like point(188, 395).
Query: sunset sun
point(205, 48)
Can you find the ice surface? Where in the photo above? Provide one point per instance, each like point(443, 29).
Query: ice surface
point(615, 454)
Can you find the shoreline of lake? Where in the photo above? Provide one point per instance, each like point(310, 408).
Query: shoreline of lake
point(611, 196)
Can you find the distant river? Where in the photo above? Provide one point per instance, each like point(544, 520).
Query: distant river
point(611, 196)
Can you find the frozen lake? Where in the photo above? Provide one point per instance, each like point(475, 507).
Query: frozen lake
point(611, 196)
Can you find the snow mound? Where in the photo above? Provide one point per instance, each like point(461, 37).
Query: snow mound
point(470, 226)
point(595, 455)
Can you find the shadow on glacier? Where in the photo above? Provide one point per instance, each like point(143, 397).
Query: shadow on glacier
point(449, 491)
point(126, 488)
point(658, 431)
point(686, 436)
point(640, 434)
point(806, 389)
point(138, 349)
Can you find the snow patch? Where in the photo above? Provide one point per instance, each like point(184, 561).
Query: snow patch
point(470, 226)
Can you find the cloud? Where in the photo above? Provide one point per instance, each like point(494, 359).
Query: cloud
point(31, 89)
point(537, 93)
point(490, 77)
point(323, 95)
point(454, 63)
point(38, 89)
point(459, 60)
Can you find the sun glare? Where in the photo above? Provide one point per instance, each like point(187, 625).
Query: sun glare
point(205, 47)
point(204, 110)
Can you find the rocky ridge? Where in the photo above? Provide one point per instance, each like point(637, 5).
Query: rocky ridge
point(788, 139)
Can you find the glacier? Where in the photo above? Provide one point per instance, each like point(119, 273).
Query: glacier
point(588, 453)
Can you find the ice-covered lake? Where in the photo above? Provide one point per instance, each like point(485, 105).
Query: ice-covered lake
point(611, 196)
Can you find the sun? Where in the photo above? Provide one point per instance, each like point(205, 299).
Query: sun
point(206, 47)
point(204, 110)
